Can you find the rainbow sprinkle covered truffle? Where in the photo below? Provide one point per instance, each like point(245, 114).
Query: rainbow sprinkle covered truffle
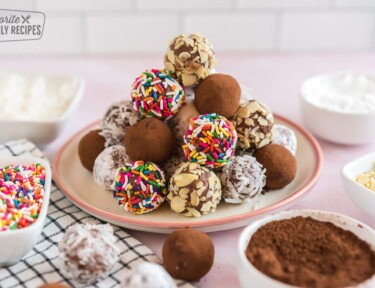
point(156, 94)
point(210, 140)
point(21, 195)
point(140, 187)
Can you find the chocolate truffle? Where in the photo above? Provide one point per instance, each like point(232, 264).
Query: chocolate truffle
point(173, 162)
point(54, 285)
point(194, 190)
point(188, 254)
point(190, 58)
point(119, 117)
point(88, 252)
point(180, 123)
point(140, 187)
point(107, 163)
point(148, 275)
point(89, 147)
point(156, 94)
point(284, 136)
point(253, 122)
point(210, 140)
point(280, 165)
point(243, 178)
point(218, 93)
point(149, 140)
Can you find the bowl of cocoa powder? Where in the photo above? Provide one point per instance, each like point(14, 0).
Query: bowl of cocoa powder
point(306, 248)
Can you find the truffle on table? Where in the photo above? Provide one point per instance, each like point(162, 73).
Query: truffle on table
point(54, 285)
point(284, 136)
point(87, 252)
point(280, 165)
point(89, 147)
point(149, 140)
point(188, 254)
point(218, 93)
point(190, 58)
point(156, 94)
point(242, 179)
point(118, 118)
point(253, 122)
point(107, 163)
point(194, 190)
point(148, 275)
point(140, 187)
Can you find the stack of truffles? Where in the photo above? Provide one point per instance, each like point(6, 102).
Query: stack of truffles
point(194, 151)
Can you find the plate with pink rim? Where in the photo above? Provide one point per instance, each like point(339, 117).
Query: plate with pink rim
point(78, 185)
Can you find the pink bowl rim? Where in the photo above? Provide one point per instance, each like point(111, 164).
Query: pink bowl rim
point(203, 223)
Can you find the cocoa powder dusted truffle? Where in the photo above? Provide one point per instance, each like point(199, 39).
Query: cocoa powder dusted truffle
point(180, 123)
point(188, 254)
point(156, 94)
point(171, 165)
point(218, 93)
point(88, 252)
point(242, 179)
point(107, 163)
point(253, 122)
point(149, 140)
point(194, 190)
point(89, 147)
point(280, 165)
point(190, 58)
point(119, 117)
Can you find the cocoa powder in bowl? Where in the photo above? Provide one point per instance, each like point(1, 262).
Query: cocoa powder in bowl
point(306, 252)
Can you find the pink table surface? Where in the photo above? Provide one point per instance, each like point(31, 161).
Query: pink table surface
point(274, 79)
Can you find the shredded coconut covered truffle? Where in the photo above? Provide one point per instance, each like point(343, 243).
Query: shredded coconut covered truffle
point(243, 178)
point(88, 252)
point(148, 275)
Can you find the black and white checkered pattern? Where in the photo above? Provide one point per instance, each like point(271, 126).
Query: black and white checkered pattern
point(41, 265)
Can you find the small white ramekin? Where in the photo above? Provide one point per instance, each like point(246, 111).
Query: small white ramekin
point(250, 276)
point(17, 243)
point(338, 127)
point(362, 197)
point(38, 131)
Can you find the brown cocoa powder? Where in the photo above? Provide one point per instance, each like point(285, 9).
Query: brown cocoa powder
point(309, 253)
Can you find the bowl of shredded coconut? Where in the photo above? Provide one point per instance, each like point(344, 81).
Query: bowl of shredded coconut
point(340, 107)
point(36, 107)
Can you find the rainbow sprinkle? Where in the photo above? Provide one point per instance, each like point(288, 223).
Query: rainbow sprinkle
point(156, 94)
point(140, 187)
point(21, 195)
point(210, 140)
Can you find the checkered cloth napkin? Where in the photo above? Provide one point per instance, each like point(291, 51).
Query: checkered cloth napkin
point(41, 265)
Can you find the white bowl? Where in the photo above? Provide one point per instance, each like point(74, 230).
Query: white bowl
point(40, 131)
point(17, 243)
point(335, 126)
point(251, 277)
point(362, 197)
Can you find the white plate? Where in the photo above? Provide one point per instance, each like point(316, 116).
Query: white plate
point(78, 185)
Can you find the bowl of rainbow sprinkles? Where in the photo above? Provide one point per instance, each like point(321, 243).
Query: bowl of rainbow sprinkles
point(25, 186)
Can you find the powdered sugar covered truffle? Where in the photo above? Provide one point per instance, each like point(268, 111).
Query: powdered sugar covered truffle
point(284, 136)
point(148, 275)
point(243, 178)
point(88, 252)
point(107, 163)
point(117, 119)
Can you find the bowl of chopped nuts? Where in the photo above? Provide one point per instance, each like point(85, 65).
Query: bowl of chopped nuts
point(358, 177)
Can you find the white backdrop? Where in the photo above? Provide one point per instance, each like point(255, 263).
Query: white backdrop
point(92, 27)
